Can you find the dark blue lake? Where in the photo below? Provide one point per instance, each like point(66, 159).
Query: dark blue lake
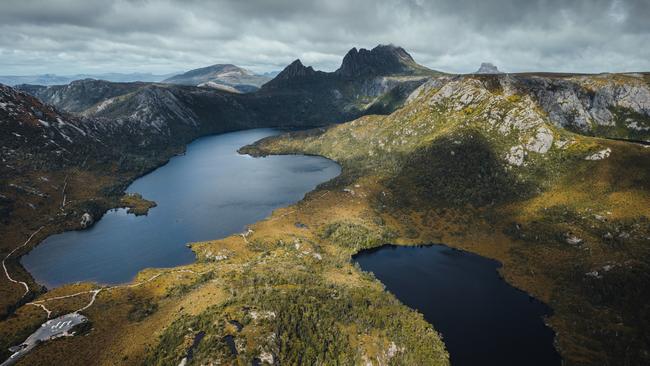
point(483, 320)
point(209, 193)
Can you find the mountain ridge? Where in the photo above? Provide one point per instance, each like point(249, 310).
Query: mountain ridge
point(53, 79)
point(220, 74)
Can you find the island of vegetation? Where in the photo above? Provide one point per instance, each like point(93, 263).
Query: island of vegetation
point(136, 205)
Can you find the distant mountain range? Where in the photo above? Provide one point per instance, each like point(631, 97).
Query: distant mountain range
point(221, 76)
point(53, 79)
point(297, 96)
point(226, 77)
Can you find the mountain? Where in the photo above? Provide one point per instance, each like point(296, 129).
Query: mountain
point(606, 105)
point(52, 79)
point(297, 96)
point(483, 163)
point(295, 74)
point(221, 76)
point(368, 81)
point(488, 68)
point(79, 95)
point(381, 60)
point(35, 135)
point(357, 66)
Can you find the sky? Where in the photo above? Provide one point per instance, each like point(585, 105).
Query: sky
point(87, 36)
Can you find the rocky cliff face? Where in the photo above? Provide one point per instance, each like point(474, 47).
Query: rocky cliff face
point(608, 105)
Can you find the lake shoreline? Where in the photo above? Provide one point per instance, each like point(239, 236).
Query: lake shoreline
point(203, 200)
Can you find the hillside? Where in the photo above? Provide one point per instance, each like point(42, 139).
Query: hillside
point(220, 76)
point(474, 163)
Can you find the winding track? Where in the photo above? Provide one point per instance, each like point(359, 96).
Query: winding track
point(4, 266)
point(95, 292)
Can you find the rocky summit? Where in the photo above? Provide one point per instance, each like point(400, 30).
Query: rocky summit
point(488, 68)
point(381, 60)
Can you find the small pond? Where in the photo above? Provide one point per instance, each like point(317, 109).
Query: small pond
point(483, 320)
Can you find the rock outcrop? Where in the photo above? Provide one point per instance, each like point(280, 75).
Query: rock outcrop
point(488, 68)
point(611, 105)
point(86, 220)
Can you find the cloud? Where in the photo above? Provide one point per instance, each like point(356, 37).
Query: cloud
point(73, 36)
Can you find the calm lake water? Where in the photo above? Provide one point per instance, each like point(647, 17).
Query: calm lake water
point(208, 193)
point(483, 320)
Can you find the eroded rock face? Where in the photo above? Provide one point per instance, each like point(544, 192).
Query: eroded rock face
point(541, 142)
point(86, 220)
point(589, 103)
point(516, 155)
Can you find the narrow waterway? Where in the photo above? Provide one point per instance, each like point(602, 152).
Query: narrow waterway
point(209, 193)
point(483, 320)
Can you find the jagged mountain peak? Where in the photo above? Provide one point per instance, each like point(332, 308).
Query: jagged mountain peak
point(296, 66)
point(295, 71)
point(381, 60)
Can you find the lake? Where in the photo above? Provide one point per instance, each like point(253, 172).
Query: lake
point(483, 320)
point(210, 192)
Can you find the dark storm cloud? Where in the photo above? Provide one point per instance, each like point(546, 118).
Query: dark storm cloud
point(71, 36)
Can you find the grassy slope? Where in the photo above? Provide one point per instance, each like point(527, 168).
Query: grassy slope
point(293, 288)
point(434, 171)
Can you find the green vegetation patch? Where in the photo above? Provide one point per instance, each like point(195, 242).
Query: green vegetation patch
point(355, 236)
point(304, 325)
point(136, 204)
point(456, 172)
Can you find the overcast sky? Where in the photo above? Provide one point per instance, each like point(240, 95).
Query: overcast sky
point(86, 36)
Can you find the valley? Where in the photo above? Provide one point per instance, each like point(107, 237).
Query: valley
point(520, 168)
